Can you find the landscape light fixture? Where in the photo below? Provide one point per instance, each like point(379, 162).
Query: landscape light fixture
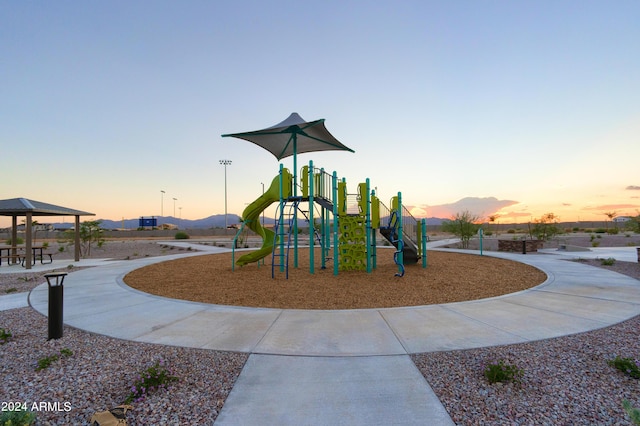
point(225, 163)
point(161, 203)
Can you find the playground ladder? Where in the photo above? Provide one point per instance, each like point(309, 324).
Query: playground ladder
point(285, 219)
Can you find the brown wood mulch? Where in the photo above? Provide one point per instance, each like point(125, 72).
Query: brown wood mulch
point(449, 277)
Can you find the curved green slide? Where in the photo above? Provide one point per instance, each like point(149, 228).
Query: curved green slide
point(251, 217)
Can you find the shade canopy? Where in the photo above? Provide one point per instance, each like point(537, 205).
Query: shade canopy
point(293, 136)
point(22, 206)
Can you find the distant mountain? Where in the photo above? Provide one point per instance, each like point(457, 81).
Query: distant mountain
point(215, 221)
point(434, 221)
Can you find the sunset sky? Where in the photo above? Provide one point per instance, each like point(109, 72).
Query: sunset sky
point(497, 107)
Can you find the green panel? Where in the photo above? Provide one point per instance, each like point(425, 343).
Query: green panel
point(342, 198)
point(304, 176)
point(375, 212)
point(353, 249)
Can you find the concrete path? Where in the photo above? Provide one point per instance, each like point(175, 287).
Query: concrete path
point(344, 366)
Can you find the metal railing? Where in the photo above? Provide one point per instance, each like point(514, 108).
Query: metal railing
point(322, 183)
point(410, 225)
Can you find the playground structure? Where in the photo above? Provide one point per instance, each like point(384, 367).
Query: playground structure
point(344, 226)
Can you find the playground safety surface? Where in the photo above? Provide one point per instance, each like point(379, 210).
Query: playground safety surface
point(449, 277)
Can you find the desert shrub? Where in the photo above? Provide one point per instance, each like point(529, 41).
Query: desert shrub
point(595, 243)
point(154, 378)
point(502, 372)
point(181, 236)
point(600, 231)
point(19, 416)
point(626, 365)
point(608, 262)
point(632, 412)
point(18, 241)
point(613, 231)
point(5, 335)
point(511, 231)
point(46, 361)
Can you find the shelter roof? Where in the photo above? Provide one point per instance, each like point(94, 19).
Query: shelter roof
point(22, 206)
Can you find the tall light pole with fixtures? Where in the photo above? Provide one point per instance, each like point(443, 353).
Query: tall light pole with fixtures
point(174, 207)
point(161, 203)
point(225, 163)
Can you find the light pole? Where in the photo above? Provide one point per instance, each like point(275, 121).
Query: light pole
point(225, 163)
point(174, 207)
point(180, 208)
point(161, 203)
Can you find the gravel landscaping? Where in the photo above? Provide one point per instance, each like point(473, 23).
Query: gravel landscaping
point(566, 380)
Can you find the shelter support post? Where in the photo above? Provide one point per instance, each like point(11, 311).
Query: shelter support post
point(28, 243)
point(14, 236)
point(77, 240)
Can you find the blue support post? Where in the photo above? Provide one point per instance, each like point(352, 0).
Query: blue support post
point(400, 236)
point(281, 221)
point(312, 232)
point(325, 238)
point(334, 188)
point(368, 225)
point(424, 242)
point(373, 231)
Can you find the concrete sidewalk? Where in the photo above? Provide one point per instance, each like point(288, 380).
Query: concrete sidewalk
point(344, 366)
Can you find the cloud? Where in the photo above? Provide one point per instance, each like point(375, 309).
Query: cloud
point(514, 215)
point(612, 207)
point(633, 188)
point(566, 204)
point(475, 205)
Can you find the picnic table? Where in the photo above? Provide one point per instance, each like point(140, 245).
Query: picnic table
point(16, 255)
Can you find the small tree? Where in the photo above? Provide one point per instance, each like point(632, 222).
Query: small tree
point(34, 229)
point(546, 227)
point(611, 216)
point(634, 223)
point(493, 219)
point(90, 233)
point(463, 225)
